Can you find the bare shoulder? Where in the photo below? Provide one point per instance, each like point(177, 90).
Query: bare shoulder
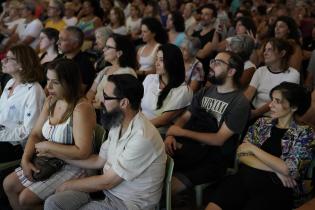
point(84, 106)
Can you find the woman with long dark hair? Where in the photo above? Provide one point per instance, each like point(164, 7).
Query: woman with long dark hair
point(166, 93)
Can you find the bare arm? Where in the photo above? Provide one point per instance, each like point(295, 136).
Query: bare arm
point(84, 122)
point(93, 162)
point(166, 118)
point(217, 138)
point(93, 183)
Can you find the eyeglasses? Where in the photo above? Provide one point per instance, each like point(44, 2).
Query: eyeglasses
point(6, 59)
point(107, 98)
point(107, 47)
point(216, 62)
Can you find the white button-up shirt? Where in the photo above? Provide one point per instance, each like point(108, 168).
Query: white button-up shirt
point(139, 158)
point(19, 112)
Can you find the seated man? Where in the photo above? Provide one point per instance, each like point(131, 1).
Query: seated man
point(214, 116)
point(69, 44)
point(133, 157)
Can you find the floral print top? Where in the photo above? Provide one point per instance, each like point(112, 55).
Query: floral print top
point(295, 143)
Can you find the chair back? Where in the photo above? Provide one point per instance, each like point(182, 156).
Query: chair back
point(100, 135)
point(168, 181)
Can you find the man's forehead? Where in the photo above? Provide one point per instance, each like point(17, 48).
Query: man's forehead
point(223, 56)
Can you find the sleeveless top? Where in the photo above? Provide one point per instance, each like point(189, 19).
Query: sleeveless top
point(87, 27)
point(146, 62)
point(59, 133)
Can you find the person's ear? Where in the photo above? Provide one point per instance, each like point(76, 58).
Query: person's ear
point(124, 103)
point(231, 72)
point(119, 53)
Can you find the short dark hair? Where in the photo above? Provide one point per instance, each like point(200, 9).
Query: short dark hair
point(296, 95)
point(27, 58)
point(175, 68)
point(178, 21)
point(52, 34)
point(209, 6)
point(293, 28)
point(129, 55)
point(237, 63)
point(156, 27)
point(68, 73)
point(77, 34)
point(128, 86)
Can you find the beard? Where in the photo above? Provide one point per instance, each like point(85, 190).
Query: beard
point(111, 119)
point(216, 80)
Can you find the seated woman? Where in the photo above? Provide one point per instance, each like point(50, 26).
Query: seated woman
point(194, 74)
point(153, 34)
point(166, 94)
point(48, 47)
point(120, 52)
point(270, 156)
point(63, 130)
point(277, 53)
point(101, 36)
point(21, 100)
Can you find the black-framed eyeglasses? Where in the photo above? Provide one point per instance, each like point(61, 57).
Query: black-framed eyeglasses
point(107, 47)
point(215, 62)
point(6, 59)
point(107, 98)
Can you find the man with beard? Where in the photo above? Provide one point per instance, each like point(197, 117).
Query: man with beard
point(132, 158)
point(200, 140)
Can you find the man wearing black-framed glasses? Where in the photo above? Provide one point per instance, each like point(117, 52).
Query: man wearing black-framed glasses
point(132, 158)
point(201, 140)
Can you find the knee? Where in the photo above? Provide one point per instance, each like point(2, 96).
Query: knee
point(28, 199)
point(213, 206)
point(51, 203)
point(10, 183)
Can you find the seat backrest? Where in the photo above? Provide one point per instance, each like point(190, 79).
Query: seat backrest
point(99, 138)
point(168, 181)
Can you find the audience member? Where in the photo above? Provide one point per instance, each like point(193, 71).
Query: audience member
point(133, 22)
point(101, 36)
point(63, 130)
point(55, 13)
point(89, 19)
point(244, 45)
point(197, 139)
point(153, 35)
point(270, 156)
point(33, 26)
point(117, 21)
point(21, 101)
point(132, 158)
point(166, 95)
point(120, 53)
point(48, 47)
point(277, 53)
point(69, 43)
point(175, 25)
point(194, 74)
point(69, 15)
point(205, 33)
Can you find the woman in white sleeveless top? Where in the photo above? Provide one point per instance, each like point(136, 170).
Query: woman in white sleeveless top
point(153, 35)
point(63, 130)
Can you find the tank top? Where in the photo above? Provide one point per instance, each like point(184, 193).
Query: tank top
point(59, 133)
point(146, 62)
